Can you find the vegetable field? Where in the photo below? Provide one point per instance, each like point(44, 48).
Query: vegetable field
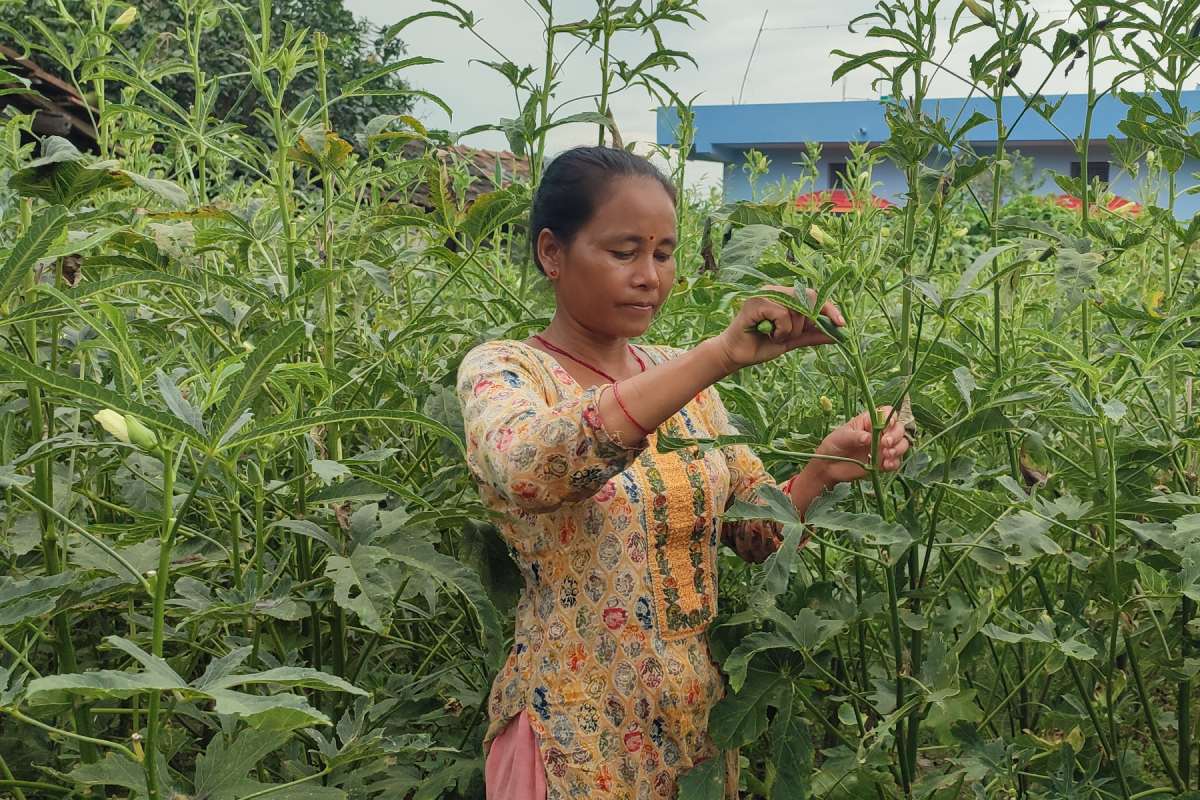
point(241, 553)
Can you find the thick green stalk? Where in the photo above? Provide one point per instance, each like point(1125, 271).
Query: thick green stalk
point(605, 78)
point(906, 777)
point(43, 483)
point(1148, 713)
point(994, 231)
point(1016, 689)
point(332, 437)
point(1084, 695)
point(235, 529)
point(282, 168)
point(1184, 687)
point(8, 777)
point(535, 169)
point(1110, 440)
point(199, 84)
point(255, 474)
point(170, 464)
point(864, 386)
point(1184, 698)
point(260, 547)
point(337, 635)
point(304, 548)
point(283, 173)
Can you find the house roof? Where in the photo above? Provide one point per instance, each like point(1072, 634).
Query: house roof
point(60, 109)
point(1118, 203)
point(842, 202)
point(480, 164)
point(724, 132)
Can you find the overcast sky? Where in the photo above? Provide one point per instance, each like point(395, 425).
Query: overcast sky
point(791, 64)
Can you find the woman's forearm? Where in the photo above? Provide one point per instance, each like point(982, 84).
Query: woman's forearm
point(808, 485)
point(657, 394)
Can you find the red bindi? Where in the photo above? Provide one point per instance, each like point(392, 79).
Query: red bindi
point(652, 238)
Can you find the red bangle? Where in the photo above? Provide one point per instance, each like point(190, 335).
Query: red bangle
point(638, 425)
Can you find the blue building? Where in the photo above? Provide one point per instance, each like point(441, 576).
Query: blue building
point(779, 130)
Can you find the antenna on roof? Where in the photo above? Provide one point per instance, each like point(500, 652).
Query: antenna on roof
point(750, 61)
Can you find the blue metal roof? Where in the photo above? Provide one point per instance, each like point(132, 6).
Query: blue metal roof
point(724, 132)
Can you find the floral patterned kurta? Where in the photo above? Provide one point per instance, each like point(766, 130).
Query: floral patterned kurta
point(618, 548)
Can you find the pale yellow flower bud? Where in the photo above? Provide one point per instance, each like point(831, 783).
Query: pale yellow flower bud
point(124, 21)
point(114, 423)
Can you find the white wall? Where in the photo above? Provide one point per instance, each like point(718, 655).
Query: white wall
point(1048, 157)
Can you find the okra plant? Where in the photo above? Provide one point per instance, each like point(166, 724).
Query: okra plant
point(242, 553)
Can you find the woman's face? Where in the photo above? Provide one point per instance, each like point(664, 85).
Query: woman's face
point(618, 271)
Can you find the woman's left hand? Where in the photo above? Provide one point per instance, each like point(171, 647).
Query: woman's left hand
point(853, 440)
point(850, 441)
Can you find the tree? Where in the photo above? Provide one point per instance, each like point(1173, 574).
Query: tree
point(356, 49)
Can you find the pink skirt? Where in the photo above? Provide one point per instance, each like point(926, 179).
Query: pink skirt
point(514, 768)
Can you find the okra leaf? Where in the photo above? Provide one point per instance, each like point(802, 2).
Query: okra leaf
point(360, 586)
point(705, 781)
point(117, 770)
point(100, 684)
point(245, 386)
point(741, 717)
point(453, 575)
point(747, 245)
point(311, 530)
point(738, 661)
point(793, 751)
point(222, 772)
point(291, 677)
point(49, 224)
point(1026, 532)
point(277, 712)
point(866, 529)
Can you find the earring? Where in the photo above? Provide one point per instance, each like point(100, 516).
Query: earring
point(553, 273)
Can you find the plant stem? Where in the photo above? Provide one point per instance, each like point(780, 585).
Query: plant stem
point(278, 787)
point(548, 72)
point(8, 780)
point(170, 465)
point(1016, 689)
point(43, 493)
point(12, 712)
point(1148, 713)
point(1184, 696)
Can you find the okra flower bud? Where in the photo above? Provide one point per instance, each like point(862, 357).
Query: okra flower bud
point(127, 429)
point(114, 423)
point(140, 435)
point(124, 21)
point(985, 15)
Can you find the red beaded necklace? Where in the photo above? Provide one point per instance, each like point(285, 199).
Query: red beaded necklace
point(581, 362)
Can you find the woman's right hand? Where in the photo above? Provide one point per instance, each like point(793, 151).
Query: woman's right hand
point(792, 330)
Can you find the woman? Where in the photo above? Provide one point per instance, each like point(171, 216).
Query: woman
point(607, 689)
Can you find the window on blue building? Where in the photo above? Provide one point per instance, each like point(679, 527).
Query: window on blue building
point(837, 175)
point(1096, 169)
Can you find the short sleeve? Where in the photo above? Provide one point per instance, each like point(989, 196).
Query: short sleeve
point(537, 456)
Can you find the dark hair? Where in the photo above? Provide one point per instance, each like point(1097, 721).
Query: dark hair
point(572, 187)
